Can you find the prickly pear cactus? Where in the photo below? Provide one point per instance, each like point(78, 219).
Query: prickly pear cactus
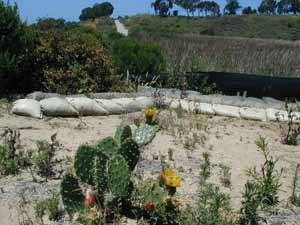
point(122, 133)
point(129, 149)
point(72, 196)
point(144, 135)
point(84, 163)
point(100, 174)
point(108, 146)
point(118, 176)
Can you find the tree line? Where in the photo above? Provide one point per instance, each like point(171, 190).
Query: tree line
point(232, 7)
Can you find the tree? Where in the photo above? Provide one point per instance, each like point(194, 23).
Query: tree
point(283, 7)
point(188, 5)
point(288, 6)
point(231, 7)
point(87, 14)
point(248, 10)
point(209, 8)
point(295, 6)
point(103, 9)
point(98, 10)
point(17, 43)
point(162, 7)
point(267, 7)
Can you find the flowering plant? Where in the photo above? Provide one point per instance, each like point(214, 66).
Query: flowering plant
point(149, 114)
point(136, 120)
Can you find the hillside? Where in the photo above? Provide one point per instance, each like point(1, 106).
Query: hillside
point(250, 26)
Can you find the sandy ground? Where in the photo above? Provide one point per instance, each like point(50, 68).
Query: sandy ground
point(230, 142)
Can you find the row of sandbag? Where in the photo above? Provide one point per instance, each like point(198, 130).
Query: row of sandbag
point(239, 101)
point(79, 106)
point(269, 114)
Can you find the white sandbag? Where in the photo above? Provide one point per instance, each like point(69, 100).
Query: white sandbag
point(274, 103)
point(252, 102)
point(144, 102)
point(87, 107)
point(232, 100)
point(276, 115)
point(212, 99)
point(110, 106)
point(128, 104)
point(57, 107)
point(253, 114)
point(192, 106)
point(175, 103)
point(204, 108)
point(27, 107)
point(226, 110)
point(185, 105)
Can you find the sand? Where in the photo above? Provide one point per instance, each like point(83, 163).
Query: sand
point(230, 142)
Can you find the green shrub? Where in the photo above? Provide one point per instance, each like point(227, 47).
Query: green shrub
point(212, 208)
point(17, 42)
point(250, 205)
point(137, 59)
point(73, 61)
point(49, 207)
point(8, 165)
point(295, 197)
point(267, 182)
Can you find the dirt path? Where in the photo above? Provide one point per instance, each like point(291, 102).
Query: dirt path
point(121, 28)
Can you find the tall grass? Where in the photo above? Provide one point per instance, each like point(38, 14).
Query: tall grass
point(227, 54)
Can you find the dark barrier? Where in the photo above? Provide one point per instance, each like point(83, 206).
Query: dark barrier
point(254, 85)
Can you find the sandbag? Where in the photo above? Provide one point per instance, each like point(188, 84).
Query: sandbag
point(204, 108)
point(87, 107)
point(110, 106)
point(37, 95)
point(27, 107)
point(128, 104)
point(212, 99)
point(276, 115)
point(174, 104)
point(252, 102)
point(226, 110)
point(274, 103)
point(232, 100)
point(185, 105)
point(253, 114)
point(57, 107)
point(144, 102)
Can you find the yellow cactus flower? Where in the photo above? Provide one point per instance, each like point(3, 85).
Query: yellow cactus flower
point(149, 112)
point(170, 178)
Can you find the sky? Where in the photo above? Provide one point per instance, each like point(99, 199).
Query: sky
point(31, 10)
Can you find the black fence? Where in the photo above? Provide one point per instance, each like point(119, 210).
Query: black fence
point(253, 85)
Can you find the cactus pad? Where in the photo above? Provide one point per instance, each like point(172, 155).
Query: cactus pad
point(84, 163)
point(72, 195)
point(118, 176)
point(122, 133)
point(144, 135)
point(100, 174)
point(129, 149)
point(108, 146)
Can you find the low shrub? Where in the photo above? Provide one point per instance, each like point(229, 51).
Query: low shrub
point(141, 62)
point(73, 61)
point(267, 182)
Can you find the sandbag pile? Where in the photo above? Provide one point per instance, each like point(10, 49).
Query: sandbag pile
point(38, 104)
point(79, 106)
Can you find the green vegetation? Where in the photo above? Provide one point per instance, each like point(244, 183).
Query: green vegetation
point(285, 27)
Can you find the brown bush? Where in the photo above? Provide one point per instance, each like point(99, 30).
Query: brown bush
point(73, 61)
